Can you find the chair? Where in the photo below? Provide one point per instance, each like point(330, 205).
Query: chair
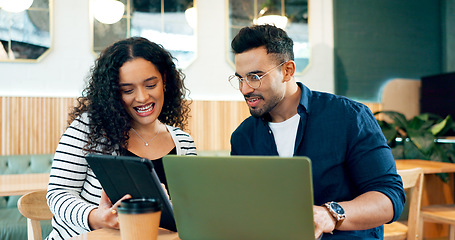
point(413, 182)
point(402, 95)
point(444, 214)
point(34, 207)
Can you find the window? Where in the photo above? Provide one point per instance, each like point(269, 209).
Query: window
point(170, 23)
point(291, 15)
point(25, 35)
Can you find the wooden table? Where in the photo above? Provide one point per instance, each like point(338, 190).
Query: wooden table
point(20, 184)
point(112, 234)
point(429, 167)
point(435, 191)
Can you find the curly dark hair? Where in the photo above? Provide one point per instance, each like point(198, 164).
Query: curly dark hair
point(109, 122)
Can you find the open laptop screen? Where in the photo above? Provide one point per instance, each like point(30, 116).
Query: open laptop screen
point(241, 197)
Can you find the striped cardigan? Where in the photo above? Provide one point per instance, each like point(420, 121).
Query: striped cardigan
point(73, 189)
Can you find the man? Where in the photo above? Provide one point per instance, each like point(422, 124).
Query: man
point(355, 183)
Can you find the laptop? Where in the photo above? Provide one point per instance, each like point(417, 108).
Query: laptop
point(241, 197)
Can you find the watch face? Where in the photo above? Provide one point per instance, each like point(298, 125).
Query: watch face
point(337, 208)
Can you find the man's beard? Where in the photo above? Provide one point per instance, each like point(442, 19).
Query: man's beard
point(257, 113)
point(260, 112)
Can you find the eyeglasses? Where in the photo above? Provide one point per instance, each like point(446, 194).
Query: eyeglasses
point(253, 80)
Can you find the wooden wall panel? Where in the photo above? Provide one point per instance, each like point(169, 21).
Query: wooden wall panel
point(212, 122)
point(34, 125)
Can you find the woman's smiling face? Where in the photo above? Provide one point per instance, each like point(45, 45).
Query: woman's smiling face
point(142, 91)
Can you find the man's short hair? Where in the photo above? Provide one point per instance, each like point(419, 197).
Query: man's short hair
point(274, 39)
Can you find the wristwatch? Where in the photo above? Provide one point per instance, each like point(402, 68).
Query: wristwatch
point(337, 212)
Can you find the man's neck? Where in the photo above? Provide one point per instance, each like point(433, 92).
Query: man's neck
point(287, 108)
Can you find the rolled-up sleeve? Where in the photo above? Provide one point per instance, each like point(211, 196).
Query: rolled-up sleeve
point(370, 160)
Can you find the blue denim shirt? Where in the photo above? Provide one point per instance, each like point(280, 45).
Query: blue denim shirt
point(348, 151)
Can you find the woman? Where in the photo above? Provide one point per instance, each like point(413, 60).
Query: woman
point(133, 105)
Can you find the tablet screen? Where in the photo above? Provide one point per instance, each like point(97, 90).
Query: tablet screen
point(121, 175)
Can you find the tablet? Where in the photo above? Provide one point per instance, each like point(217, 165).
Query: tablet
point(121, 175)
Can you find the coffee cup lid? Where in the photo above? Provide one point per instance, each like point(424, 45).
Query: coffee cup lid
point(139, 205)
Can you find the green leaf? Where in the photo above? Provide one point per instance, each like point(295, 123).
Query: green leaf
point(398, 118)
point(437, 154)
point(421, 131)
point(416, 123)
point(410, 151)
point(444, 177)
point(427, 125)
point(390, 134)
point(424, 140)
point(451, 157)
point(384, 124)
point(447, 151)
point(443, 125)
point(424, 117)
point(398, 152)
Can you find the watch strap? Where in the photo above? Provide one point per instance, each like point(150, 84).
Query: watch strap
point(339, 218)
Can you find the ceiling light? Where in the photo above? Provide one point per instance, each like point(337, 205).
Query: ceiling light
point(108, 11)
point(191, 17)
point(276, 20)
point(15, 5)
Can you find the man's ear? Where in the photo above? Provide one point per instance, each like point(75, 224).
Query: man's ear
point(288, 70)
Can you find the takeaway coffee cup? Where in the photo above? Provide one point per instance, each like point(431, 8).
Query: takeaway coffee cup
point(139, 218)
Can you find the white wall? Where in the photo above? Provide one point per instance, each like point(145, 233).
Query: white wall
point(63, 71)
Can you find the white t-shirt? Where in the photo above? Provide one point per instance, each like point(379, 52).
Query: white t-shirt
point(284, 134)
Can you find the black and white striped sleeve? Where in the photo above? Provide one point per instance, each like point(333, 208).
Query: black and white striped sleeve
point(73, 190)
point(184, 142)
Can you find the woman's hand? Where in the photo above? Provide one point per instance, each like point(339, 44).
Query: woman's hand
point(105, 216)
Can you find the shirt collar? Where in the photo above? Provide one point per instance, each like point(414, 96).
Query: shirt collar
point(304, 104)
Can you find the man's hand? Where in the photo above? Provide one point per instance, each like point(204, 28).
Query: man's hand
point(323, 221)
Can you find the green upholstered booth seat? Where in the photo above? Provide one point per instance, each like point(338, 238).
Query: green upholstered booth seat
point(13, 226)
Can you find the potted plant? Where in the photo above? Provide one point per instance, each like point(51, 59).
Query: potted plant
point(417, 138)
